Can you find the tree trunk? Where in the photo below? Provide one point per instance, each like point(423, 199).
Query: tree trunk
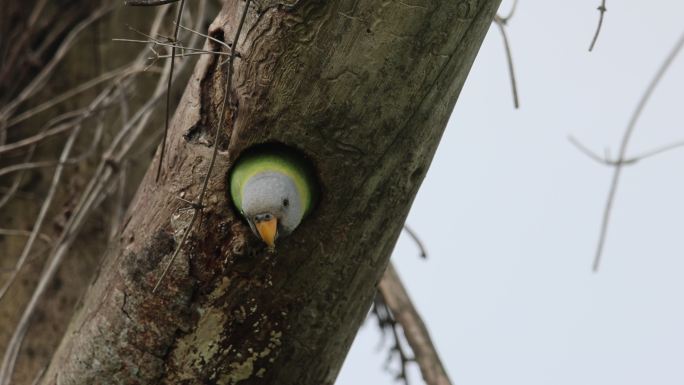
point(364, 89)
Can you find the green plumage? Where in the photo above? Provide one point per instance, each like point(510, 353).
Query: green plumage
point(266, 160)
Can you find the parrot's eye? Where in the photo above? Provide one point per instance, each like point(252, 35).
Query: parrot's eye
point(286, 202)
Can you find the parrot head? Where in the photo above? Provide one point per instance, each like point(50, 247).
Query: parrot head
point(272, 205)
point(273, 188)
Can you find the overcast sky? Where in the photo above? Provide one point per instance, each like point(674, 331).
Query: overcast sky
point(510, 211)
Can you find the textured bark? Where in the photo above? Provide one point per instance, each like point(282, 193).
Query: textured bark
point(364, 88)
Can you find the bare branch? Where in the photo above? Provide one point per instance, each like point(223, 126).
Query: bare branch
point(17, 179)
point(168, 90)
point(147, 3)
point(195, 51)
point(596, 157)
point(416, 239)
point(32, 166)
point(47, 70)
point(602, 10)
point(81, 116)
point(625, 141)
point(59, 128)
point(501, 23)
point(187, 54)
point(49, 163)
point(64, 157)
point(398, 301)
point(34, 257)
point(659, 150)
point(71, 93)
point(39, 376)
point(119, 207)
point(25, 233)
point(9, 59)
point(43, 212)
point(90, 195)
point(9, 360)
point(628, 160)
point(124, 139)
point(215, 40)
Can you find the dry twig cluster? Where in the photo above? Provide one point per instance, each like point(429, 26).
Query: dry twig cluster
point(110, 105)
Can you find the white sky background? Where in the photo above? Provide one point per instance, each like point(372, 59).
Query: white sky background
point(510, 210)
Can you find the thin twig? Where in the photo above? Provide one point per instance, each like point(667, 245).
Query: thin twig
point(416, 239)
point(147, 35)
point(659, 150)
point(39, 375)
point(71, 93)
point(52, 163)
point(119, 206)
point(199, 20)
point(172, 45)
point(501, 23)
point(596, 157)
point(43, 212)
point(226, 100)
point(25, 233)
point(623, 147)
point(66, 151)
point(602, 10)
point(47, 70)
point(35, 256)
point(215, 40)
point(628, 160)
point(147, 3)
point(9, 360)
point(17, 179)
point(20, 45)
point(168, 90)
point(188, 54)
point(511, 12)
point(34, 165)
point(44, 134)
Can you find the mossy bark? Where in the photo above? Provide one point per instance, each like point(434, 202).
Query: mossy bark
point(364, 88)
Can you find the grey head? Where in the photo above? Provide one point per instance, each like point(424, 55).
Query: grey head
point(272, 205)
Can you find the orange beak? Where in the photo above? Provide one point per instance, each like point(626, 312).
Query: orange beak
point(268, 230)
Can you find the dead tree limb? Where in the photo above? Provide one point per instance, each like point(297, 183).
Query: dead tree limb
point(425, 354)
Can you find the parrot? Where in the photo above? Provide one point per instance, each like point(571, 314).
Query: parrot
point(273, 190)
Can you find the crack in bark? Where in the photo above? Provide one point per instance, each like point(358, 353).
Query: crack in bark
point(123, 306)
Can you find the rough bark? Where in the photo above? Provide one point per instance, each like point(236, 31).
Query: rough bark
point(364, 88)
